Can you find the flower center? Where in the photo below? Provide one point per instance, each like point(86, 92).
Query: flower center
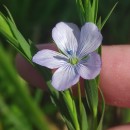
point(73, 60)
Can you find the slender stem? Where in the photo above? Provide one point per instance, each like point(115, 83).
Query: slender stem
point(80, 99)
point(94, 121)
point(72, 108)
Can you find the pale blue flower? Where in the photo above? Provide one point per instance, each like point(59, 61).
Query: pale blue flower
point(78, 57)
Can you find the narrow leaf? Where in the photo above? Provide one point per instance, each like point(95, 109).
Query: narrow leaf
point(81, 10)
point(70, 105)
point(100, 125)
point(84, 121)
point(88, 13)
point(105, 20)
point(99, 23)
point(96, 9)
point(4, 25)
point(68, 123)
point(23, 43)
point(10, 16)
point(91, 90)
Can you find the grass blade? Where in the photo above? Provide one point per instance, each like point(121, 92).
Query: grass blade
point(105, 20)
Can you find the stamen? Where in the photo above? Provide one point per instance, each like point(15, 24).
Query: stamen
point(70, 52)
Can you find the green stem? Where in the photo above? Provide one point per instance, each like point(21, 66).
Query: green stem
point(80, 99)
point(94, 123)
point(72, 108)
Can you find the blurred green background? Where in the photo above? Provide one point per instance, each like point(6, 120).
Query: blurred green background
point(21, 107)
point(35, 19)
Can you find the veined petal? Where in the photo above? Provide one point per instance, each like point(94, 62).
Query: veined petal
point(65, 77)
point(90, 39)
point(49, 58)
point(66, 37)
point(90, 67)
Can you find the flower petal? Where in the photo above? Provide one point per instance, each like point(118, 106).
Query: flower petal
point(65, 77)
point(90, 67)
point(66, 37)
point(50, 59)
point(90, 39)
